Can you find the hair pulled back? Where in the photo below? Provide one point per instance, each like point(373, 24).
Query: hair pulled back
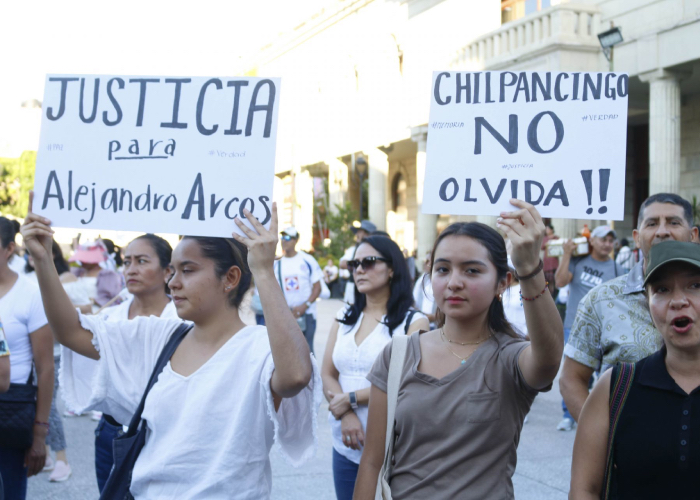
point(8, 231)
point(401, 288)
point(490, 239)
point(227, 253)
point(160, 246)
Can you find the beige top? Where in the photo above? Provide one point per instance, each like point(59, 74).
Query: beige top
point(456, 437)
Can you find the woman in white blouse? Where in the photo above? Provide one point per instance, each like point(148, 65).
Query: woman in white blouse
point(146, 269)
point(382, 308)
point(228, 392)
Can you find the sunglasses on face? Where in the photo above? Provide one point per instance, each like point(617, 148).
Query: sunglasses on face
point(367, 263)
point(286, 237)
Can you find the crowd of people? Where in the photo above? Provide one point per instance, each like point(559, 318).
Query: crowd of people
point(428, 379)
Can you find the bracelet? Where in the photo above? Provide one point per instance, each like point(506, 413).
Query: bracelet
point(540, 266)
point(530, 299)
point(43, 424)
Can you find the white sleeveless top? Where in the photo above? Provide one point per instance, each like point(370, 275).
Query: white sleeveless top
point(353, 363)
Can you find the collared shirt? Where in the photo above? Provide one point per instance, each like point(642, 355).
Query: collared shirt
point(662, 463)
point(613, 324)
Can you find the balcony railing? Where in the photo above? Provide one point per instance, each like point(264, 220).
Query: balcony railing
point(571, 26)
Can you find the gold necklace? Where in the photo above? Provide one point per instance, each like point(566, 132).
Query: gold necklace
point(462, 359)
point(442, 331)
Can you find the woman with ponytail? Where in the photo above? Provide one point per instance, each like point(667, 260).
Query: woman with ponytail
point(223, 393)
point(466, 387)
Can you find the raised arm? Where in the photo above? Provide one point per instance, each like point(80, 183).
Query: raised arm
point(539, 362)
point(62, 316)
point(290, 352)
point(590, 446)
point(563, 276)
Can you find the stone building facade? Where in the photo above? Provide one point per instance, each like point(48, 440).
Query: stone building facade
point(356, 80)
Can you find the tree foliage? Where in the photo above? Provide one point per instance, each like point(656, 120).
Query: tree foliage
point(16, 179)
point(339, 223)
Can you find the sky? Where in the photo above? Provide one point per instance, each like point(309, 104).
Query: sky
point(144, 37)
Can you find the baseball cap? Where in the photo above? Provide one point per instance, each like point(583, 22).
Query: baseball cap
point(671, 251)
point(365, 225)
point(602, 232)
point(291, 231)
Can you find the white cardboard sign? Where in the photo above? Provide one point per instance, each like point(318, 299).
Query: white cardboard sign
point(156, 154)
point(556, 140)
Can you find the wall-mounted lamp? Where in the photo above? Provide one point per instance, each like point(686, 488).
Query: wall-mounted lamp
point(608, 39)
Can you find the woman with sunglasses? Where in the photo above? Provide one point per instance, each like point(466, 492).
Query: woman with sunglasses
point(227, 393)
point(382, 308)
point(466, 387)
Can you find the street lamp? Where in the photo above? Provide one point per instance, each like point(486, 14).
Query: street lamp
point(608, 39)
point(360, 166)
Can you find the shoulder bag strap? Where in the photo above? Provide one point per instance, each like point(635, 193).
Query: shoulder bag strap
point(398, 357)
point(621, 383)
point(411, 313)
point(165, 355)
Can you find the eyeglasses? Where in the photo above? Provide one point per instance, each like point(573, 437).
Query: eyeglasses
point(367, 263)
point(286, 237)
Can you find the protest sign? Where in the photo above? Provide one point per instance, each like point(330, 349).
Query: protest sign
point(172, 155)
point(556, 140)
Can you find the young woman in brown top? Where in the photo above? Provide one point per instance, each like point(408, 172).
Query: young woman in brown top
point(467, 386)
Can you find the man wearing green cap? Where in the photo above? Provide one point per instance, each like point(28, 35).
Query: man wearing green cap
point(612, 323)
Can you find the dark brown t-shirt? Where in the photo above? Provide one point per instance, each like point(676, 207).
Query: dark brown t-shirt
point(457, 437)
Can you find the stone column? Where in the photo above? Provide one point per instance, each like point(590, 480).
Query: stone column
point(566, 228)
point(664, 131)
point(427, 223)
point(337, 183)
point(378, 172)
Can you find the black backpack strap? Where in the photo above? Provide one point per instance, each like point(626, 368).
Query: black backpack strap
point(411, 313)
point(165, 355)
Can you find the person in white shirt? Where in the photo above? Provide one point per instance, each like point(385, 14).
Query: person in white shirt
point(31, 343)
point(300, 277)
point(381, 309)
point(361, 232)
point(423, 293)
point(228, 392)
point(146, 269)
point(330, 276)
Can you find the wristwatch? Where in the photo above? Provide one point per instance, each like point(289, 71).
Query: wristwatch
point(308, 304)
point(353, 400)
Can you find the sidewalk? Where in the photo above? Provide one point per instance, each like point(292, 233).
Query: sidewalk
point(544, 454)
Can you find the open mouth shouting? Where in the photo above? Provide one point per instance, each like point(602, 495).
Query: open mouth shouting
point(682, 324)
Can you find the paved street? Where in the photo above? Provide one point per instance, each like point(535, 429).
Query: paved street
point(542, 473)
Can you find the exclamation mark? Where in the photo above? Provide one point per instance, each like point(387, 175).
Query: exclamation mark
point(588, 183)
point(604, 174)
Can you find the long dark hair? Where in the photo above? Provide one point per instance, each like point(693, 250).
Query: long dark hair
point(401, 288)
point(226, 253)
point(496, 247)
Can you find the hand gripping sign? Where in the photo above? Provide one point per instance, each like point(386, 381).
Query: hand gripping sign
point(556, 140)
point(177, 155)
